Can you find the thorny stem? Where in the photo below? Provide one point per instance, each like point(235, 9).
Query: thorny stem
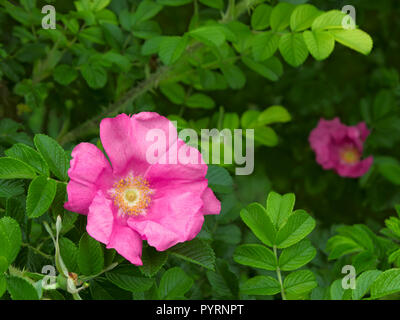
point(37, 251)
point(278, 273)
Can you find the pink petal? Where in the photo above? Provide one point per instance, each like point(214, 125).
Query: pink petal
point(194, 169)
point(117, 139)
point(100, 218)
point(211, 205)
point(364, 132)
point(174, 215)
point(127, 139)
point(89, 168)
point(127, 242)
point(356, 170)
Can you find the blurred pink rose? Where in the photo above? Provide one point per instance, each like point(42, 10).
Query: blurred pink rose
point(340, 147)
point(132, 200)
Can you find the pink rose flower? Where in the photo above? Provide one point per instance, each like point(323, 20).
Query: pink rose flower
point(340, 147)
point(133, 200)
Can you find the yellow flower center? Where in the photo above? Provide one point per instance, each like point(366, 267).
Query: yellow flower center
point(349, 155)
point(132, 195)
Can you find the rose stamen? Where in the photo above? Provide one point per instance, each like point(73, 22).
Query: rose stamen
point(132, 195)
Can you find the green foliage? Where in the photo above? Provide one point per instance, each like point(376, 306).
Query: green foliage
point(278, 226)
point(246, 64)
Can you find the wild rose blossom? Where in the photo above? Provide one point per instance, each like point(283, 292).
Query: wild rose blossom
point(131, 200)
point(340, 147)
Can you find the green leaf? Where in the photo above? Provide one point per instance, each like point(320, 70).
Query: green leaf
point(297, 255)
point(329, 20)
point(98, 5)
point(229, 234)
point(303, 16)
point(3, 285)
point(153, 261)
point(130, 283)
point(257, 219)
point(293, 49)
point(3, 265)
point(364, 282)
point(41, 193)
point(11, 188)
point(355, 39)
point(10, 238)
point(231, 120)
point(11, 168)
point(264, 45)
point(270, 69)
point(336, 290)
point(195, 251)
point(359, 234)
point(174, 284)
point(338, 246)
point(200, 100)
point(21, 289)
point(116, 59)
point(174, 92)
point(223, 281)
point(171, 48)
point(390, 171)
point(90, 256)
point(261, 285)
point(69, 253)
point(146, 10)
point(92, 34)
point(233, 75)
point(219, 179)
point(279, 207)
point(64, 74)
point(260, 17)
point(95, 75)
point(256, 256)
point(151, 46)
point(297, 227)
point(209, 35)
point(386, 283)
point(319, 43)
point(249, 119)
point(274, 114)
point(53, 154)
point(299, 282)
point(280, 16)
point(266, 136)
point(28, 155)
